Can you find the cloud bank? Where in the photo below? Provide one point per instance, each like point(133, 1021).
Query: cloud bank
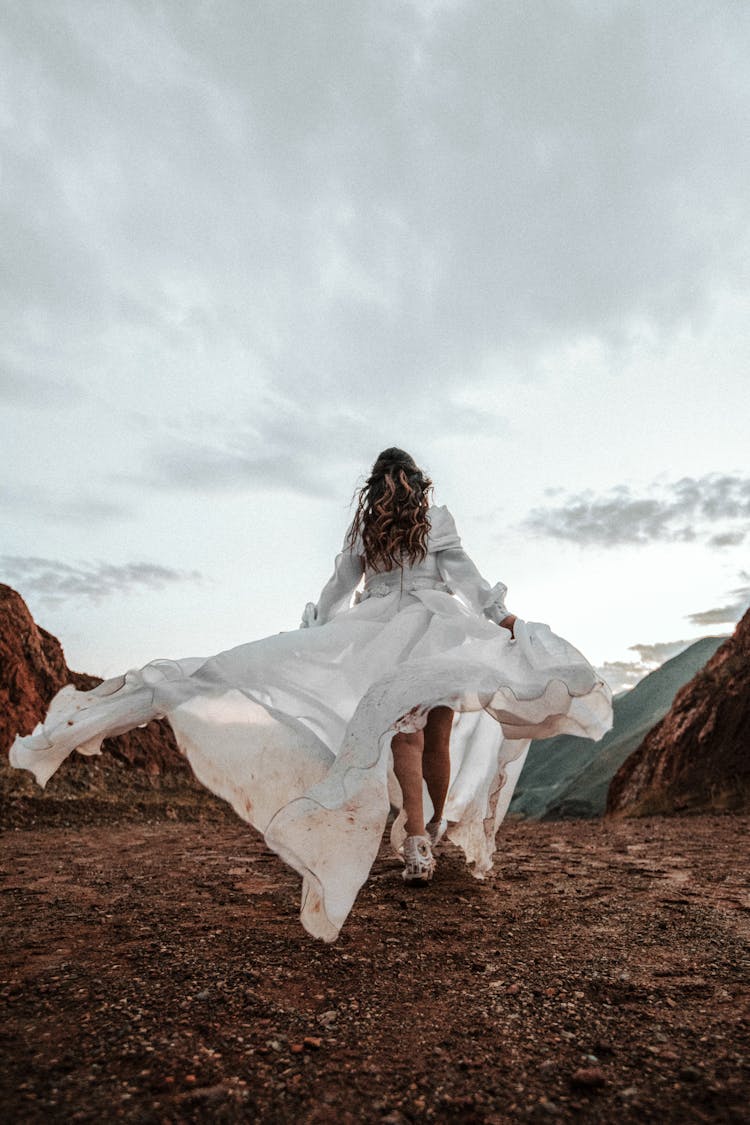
point(714, 509)
point(55, 581)
point(729, 612)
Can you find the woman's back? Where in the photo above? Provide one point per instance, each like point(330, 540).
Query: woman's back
point(441, 535)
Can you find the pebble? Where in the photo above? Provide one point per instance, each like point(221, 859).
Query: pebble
point(690, 1073)
point(590, 1077)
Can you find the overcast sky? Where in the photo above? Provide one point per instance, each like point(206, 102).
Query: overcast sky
point(245, 245)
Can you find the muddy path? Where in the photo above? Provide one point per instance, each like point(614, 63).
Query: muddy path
point(158, 973)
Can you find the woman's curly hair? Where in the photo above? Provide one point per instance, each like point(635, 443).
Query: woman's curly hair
point(391, 517)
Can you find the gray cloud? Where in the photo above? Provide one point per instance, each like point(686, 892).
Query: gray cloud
point(357, 194)
point(624, 674)
point(730, 612)
point(292, 445)
point(621, 675)
point(685, 510)
point(188, 466)
point(54, 581)
point(53, 507)
point(27, 389)
point(653, 655)
point(726, 539)
point(283, 445)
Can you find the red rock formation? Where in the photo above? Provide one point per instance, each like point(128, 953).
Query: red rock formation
point(32, 671)
point(698, 757)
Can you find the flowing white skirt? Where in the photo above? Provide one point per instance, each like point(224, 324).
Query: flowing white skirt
point(294, 730)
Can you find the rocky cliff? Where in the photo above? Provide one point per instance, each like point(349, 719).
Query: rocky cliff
point(698, 757)
point(139, 774)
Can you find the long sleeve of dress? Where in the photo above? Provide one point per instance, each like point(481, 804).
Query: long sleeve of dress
point(336, 594)
point(462, 576)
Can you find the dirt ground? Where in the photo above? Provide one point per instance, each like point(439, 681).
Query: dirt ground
point(158, 973)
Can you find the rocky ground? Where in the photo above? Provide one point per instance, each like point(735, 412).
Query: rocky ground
point(158, 973)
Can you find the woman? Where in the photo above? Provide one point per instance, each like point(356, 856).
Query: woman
point(312, 735)
point(390, 532)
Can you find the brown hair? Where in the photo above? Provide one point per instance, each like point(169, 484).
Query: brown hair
point(391, 516)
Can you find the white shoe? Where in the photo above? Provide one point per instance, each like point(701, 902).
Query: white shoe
point(418, 858)
point(435, 830)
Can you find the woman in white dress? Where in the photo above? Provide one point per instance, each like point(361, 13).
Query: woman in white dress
point(408, 685)
point(391, 532)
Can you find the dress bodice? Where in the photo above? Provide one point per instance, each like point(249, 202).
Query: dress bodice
point(445, 567)
point(423, 569)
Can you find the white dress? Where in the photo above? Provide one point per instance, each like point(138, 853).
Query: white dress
point(295, 730)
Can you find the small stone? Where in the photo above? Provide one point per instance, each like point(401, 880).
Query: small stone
point(589, 1077)
point(690, 1073)
point(547, 1066)
point(549, 1107)
point(513, 989)
point(296, 1048)
point(312, 1041)
point(203, 994)
point(327, 1018)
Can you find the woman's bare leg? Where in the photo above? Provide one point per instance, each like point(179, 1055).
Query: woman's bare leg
point(424, 754)
point(407, 765)
point(436, 762)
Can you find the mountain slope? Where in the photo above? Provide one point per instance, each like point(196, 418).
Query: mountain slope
point(569, 776)
point(698, 756)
